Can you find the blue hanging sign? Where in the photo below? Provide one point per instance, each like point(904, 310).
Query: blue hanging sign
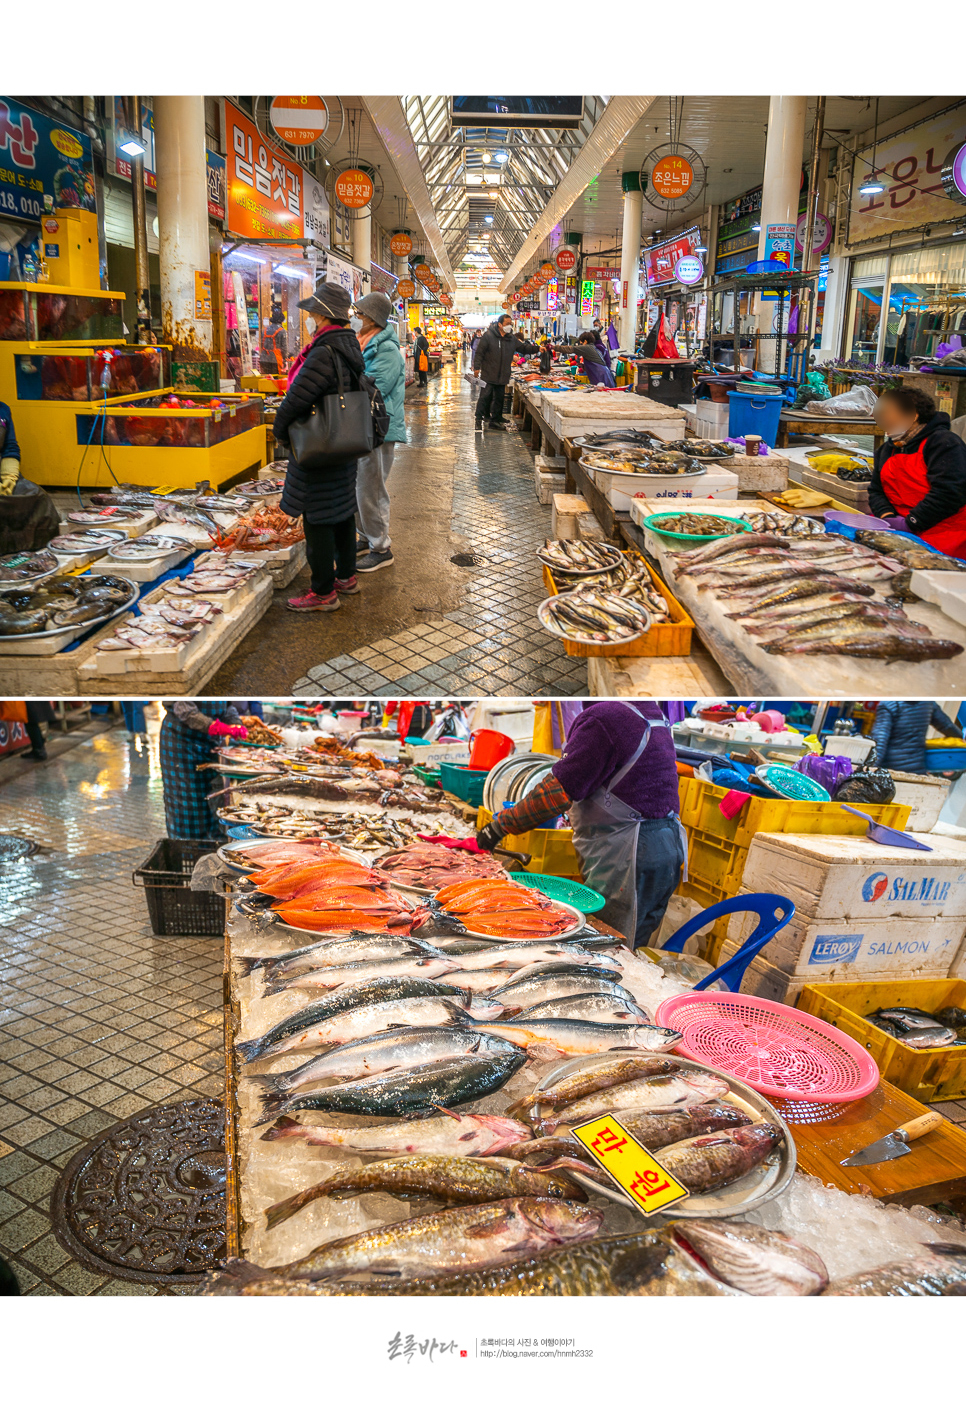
point(43, 164)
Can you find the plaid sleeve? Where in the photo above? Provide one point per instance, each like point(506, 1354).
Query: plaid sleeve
point(541, 805)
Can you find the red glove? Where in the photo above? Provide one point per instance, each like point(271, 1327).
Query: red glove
point(469, 845)
point(218, 728)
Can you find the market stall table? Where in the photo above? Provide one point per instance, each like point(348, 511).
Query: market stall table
point(796, 421)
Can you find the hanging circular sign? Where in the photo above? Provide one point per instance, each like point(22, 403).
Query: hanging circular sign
point(689, 269)
point(505, 305)
point(954, 174)
point(445, 298)
point(298, 120)
point(354, 189)
point(401, 245)
point(672, 177)
point(514, 297)
point(423, 271)
point(565, 259)
point(821, 233)
point(547, 269)
point(405, 288)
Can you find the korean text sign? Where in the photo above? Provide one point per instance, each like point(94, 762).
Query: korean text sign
point(39, 157)
point(644, 1180)
point(908, 165)
point(265, 197)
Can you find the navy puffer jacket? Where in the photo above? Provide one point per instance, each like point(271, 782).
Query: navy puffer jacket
point(327, 495)
point(899, 732)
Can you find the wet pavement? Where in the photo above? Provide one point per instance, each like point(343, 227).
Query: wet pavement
point(429, 626)
point(99, 1018)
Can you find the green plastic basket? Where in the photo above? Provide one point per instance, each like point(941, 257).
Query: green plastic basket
point(651, 523)
point(429, 774)
point(465, 783)
point(563, 889)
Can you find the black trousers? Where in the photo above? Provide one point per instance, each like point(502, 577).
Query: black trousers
point(423, 378)
point(490, 404)
point(331, 552)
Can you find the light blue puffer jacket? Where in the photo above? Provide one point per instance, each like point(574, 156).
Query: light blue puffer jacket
point(384, 364)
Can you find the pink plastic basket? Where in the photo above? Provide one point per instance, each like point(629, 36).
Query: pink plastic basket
point(802, 1063)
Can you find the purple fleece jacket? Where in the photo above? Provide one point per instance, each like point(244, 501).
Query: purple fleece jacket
point(601, 741)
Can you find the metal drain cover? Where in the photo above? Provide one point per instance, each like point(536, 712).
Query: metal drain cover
point(467, 559)
point(12, 847)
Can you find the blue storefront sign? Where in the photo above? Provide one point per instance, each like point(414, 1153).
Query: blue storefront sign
point(41, 159)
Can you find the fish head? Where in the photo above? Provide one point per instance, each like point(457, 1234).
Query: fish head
point(650, 1038)
point(706, 1083)
point(547, 1184)
point(505, 1132)
point(558, 1221)
point(753, 1259)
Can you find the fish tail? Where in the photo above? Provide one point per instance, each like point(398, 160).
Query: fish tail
point(252, 1049)
point(457, 1015)
point(269, 1082)
point(234, 1277)
point(281, 1212)
point(273, 1104)
point(523, 1104)
point(250, 963)
point(283, 1129)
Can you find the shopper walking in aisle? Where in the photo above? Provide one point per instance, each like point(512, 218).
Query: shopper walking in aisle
point(493, 362)
point(325, 499)
point(421, 353)
point(919, 480)
point(38, 713)
point(385, 365)
point(190, 734)
point(899, 731)
point(618, 776)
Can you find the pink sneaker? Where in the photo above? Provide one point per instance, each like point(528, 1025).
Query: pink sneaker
point(349, 586)
point(310, 602)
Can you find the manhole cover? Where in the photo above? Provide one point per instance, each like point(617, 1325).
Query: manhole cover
point(467, 559)
point(145, 1200)
point(12, 847)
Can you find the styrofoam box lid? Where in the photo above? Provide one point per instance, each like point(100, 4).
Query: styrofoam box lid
point(847, 848)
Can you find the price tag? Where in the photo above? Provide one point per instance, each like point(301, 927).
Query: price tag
point(162, 491)
point(649, 1186)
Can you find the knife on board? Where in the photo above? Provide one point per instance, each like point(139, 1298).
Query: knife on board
point(896, 1143)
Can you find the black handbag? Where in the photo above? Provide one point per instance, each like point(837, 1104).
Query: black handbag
point(338, 429)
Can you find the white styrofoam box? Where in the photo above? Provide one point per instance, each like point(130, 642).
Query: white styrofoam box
point(131, 526)
point(548, 463)
point(944, 588)
point(666, 429)
point(567, 506)
point(839, 877)
point(642, 507)
point(143, 571)
point(716, 482)
point(510, 718)
point(925, 795)
point(690, 412)
point(712, 418)
point(857, 748)
point(765, 473)
point(456, 752)
point(589, 528)
point(547, 484)
point(908, 947)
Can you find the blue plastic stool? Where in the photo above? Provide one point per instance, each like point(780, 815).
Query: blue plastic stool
point(773, 912)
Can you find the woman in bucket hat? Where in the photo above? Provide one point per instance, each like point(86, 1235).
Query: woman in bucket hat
point(385, 365)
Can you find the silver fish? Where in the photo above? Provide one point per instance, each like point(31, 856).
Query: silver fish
point(591, 1008)
point(338, 976)
point(457, 1133)
point(546, 1038)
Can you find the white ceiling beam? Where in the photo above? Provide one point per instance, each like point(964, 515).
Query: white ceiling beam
point(388, 116)
point(619, 118)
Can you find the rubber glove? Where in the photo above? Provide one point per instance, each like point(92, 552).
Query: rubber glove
point(898, 523)
point(218, 728)
point(488, 837)
point(9, 475)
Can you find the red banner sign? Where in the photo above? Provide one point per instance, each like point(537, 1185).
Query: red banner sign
point(659, 261)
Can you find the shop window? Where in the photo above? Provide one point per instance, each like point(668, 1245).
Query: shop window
point(865, 315)
point(927, 302)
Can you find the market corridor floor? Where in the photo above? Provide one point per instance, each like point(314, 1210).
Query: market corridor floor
point(429, 625)
point(99, 1018)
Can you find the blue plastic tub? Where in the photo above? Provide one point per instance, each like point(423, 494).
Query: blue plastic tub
point(941, 757)
point(754, 414)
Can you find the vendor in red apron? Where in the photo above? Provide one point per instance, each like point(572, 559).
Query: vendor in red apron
point(919, 481)
point(618, 777)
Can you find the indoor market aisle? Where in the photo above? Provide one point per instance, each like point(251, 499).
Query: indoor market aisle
point(432, 624)
point(99, 1018)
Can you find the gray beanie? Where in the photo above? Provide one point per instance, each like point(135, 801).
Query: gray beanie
point(376, 306)
point(328, 298)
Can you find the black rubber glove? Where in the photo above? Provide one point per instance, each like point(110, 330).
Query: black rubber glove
point(488, 837)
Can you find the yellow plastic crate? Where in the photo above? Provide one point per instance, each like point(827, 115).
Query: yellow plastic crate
point(551, 849)
point(928, 1074)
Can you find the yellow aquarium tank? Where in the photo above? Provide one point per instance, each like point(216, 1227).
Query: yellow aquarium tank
point(91, 410)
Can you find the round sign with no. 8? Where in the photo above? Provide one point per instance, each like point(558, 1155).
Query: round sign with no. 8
point(298, 120)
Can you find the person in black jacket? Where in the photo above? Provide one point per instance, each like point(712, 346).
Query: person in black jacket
point(324, 499)
point(493, 362)
point(420, 349)
point(919, 479)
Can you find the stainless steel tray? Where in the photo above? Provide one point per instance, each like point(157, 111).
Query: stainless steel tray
point(227, 853)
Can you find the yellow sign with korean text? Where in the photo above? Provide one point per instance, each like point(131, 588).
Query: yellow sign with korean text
point(646, 1183)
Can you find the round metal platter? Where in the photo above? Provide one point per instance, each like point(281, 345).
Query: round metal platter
point(228, 852)
point(543, 610)
point(576, 572)
point(765, 1182)
point(77, 629)
point(497, 786)
point(616, 438)
point(12, 586)
point(74, 543)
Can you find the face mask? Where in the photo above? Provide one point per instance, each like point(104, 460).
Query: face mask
point(355, 323)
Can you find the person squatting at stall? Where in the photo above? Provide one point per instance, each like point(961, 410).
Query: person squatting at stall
point(385, 365)
point(325, 500)
point(919, 480)
point(190, 732)
point(618, 775)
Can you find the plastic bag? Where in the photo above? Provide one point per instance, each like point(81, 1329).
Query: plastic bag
point(868, 785)
point(828, 771)
point(813, 388)
point(857, 403)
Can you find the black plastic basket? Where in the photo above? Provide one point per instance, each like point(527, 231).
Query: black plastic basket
point(173, 907)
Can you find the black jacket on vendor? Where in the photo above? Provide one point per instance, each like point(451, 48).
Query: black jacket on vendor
point(322, 496)
point(945, 457)
point(493, 360)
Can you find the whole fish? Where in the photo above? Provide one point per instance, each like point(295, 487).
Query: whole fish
point(653, 1130)
point(599, 1076)
point(769, 597)
point(480, 981)
point(941, 1274)
point(519, 954)
point(727, 546)
point(650, 1263)
point(342, 976)
point(765, 627)
point(763, 611)
point(530, 987)
point(454, 1133)
point(451, 1178)
point(758, 1261)
point(384, 1052)
point(303, 1028)
point(649, 1094)
point(423, 1012)
point(546, 1038)
point(891, 646)
point(708, 1162)
point(407, 1091)
point(182, 511)
point(323, 953)
point(592, 1008)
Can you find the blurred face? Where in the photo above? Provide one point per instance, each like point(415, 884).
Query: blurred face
point(892, 419)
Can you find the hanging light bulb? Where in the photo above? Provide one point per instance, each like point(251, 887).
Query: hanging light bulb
point(871, 186)
point(487, 158)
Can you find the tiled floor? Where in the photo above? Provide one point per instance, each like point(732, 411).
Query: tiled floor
point(99, 1018)
point(492, 642)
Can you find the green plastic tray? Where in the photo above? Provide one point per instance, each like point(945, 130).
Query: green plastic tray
point(649, 522)
point(562, 889)
point(429, 774)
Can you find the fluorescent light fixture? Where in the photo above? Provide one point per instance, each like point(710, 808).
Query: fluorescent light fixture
point(701, 248)
point(288, 271)
point(132, 147)
point(487, 219)
point(871, 187)
point(755, 228)
point(250, 257)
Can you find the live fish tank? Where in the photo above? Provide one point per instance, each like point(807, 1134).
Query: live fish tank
point(85, 375)
point(42, 312)
point(170, 421)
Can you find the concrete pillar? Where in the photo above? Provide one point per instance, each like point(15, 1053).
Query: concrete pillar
point(179, 133)
point(362, 241)
point(780, 194)
point(630, 258)
point(402, 273)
